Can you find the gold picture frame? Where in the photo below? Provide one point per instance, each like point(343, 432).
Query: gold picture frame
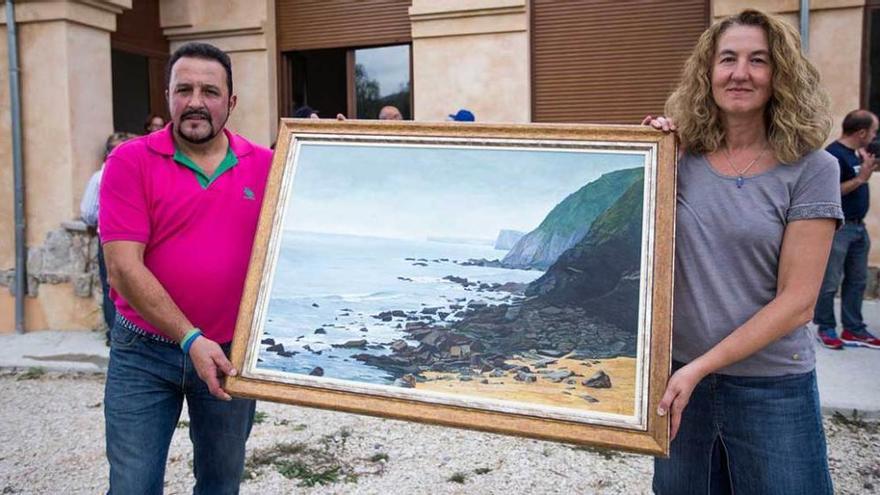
point(554, 345)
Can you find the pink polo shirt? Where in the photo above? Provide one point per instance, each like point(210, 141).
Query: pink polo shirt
point(198, 239)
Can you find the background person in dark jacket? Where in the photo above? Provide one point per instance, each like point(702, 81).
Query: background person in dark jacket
point(848, 262)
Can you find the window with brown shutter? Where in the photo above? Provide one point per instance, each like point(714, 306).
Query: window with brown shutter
point(319, 42)
point(609, 61)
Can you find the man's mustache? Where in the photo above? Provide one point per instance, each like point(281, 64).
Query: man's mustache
point(197, 113)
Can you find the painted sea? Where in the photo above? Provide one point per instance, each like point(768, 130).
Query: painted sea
point(331, 290)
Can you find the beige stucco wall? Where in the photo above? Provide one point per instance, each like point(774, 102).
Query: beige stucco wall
point(472, 55)
point(246, 31)
point(836, 49)
point(56, 308)
point(65, 82)
point(64, 56)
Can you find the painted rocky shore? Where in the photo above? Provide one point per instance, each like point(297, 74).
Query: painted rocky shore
point(488, 338)
point(584, 307)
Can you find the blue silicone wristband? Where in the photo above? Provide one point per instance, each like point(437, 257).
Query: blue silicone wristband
point(188, 335)
point(188, 340)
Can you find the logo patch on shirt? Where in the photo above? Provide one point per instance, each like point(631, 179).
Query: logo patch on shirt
point(248, 194)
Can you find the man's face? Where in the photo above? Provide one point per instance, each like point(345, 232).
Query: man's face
point(868, 135)
point(198, 99)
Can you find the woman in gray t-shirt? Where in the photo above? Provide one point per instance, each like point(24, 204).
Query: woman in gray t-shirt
point(756, 211)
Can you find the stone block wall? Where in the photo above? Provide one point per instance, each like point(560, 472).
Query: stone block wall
point(68, 256)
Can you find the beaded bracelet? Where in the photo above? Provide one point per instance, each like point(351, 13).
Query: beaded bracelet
point(189, 338)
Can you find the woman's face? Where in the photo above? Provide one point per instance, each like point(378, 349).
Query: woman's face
point(156, 123)
point(742, 72)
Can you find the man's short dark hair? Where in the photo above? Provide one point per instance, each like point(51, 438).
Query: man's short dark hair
point(858, 120)
point(203, 51)
point(304, 112)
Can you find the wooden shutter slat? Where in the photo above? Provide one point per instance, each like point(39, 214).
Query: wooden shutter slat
point(316, 24)
point(138, 31)
point(609, 61)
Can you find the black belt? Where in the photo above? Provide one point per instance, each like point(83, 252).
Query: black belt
point(857, 221)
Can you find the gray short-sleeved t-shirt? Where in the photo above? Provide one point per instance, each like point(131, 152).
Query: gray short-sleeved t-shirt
point(728, 241)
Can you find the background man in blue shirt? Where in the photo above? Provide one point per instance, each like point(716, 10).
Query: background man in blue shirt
point(848, 262)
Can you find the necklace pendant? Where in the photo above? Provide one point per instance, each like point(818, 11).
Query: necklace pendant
point(740, 181)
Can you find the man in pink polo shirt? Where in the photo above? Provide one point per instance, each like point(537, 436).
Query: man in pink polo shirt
point(179, 210)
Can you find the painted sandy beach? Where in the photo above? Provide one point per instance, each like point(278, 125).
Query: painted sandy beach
point(614, 396)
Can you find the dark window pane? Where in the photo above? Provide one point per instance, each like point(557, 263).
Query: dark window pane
point(318, 78)
point(131, 91)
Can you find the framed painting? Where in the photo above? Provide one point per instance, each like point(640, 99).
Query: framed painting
point(515, 279)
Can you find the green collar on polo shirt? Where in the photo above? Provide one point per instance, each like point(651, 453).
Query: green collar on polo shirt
point(229, 161)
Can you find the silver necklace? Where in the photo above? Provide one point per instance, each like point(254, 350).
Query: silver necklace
point(740, 179)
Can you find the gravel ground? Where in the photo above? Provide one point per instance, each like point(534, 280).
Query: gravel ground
point(52, 433)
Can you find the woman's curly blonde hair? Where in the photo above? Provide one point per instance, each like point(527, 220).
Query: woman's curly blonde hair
point(797, 116)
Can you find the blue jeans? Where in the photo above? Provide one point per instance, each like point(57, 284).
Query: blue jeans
point(147, 381)
point(746, 435)
point(107, 306)
point(848, 263)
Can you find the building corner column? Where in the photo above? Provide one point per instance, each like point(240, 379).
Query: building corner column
point(64, 61)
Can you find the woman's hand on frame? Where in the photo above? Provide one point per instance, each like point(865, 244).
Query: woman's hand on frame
point(659, 122)
point(678, 393)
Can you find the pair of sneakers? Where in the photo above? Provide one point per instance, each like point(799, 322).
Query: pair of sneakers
point(827, 337)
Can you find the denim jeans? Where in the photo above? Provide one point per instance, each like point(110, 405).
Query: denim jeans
point(746, 435)
point(107, 305)
point(147, 381)
point(848, 263)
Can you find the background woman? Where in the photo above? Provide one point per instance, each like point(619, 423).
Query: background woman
point(89, 213)
point(756, 211)
point(153, 123)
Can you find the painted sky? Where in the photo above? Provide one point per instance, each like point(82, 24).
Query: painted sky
point(415, 192)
